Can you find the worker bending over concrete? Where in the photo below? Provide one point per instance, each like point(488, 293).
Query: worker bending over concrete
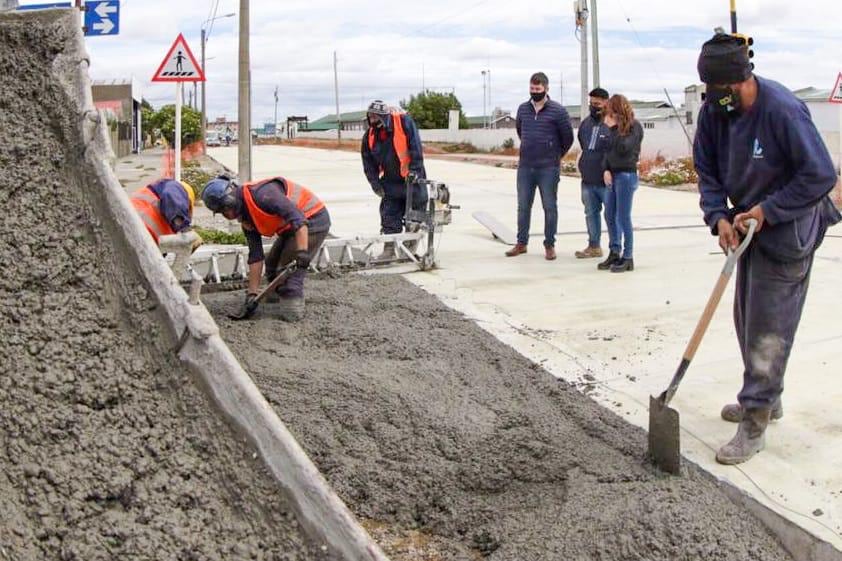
point(274, 206)
point(392, 152)
point(166, 207)
point(759, 155)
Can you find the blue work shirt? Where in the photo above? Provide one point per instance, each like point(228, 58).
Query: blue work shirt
point(271, 198)
point(174, 203)
point(771, 155)
point(545, 135)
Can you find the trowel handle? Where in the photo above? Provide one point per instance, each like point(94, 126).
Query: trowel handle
point(710, 308)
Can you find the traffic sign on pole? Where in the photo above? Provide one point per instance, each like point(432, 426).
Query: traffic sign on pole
point(836, 94)
point(102, 17)
point(179, 65)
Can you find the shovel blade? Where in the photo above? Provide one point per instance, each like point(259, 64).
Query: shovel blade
point(664, 438)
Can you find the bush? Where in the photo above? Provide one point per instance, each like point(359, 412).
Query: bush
point(666, 173)
point(197, 177)
point(220, 237)
point(509, 143)
point(462, 148)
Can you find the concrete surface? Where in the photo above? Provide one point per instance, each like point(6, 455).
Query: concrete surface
point(620, 337)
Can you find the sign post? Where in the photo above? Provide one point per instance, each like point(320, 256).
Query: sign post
point(836, 97)
point(179, 66)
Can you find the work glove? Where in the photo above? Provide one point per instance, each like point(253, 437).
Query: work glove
point(250, 305)
point(302, 259)
point(196, 243)
point(411, 177)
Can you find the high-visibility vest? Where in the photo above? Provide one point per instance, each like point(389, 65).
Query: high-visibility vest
point(148, 206)
point(400, 143)
point(270, 224)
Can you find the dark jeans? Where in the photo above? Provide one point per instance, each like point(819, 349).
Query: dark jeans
point(393, 206)
point(546, 181)
point(593, 198)
point(282, 253)
point(768, 302)
point(618, 207)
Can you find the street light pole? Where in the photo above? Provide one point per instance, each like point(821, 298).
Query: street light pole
point(484, 112)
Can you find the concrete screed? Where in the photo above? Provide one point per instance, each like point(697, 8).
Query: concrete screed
point(619, 337)
point(107, 447)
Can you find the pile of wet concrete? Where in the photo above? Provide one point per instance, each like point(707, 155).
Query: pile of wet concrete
point(107, 448)
point(424, 423)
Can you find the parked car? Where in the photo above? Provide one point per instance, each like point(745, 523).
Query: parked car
point(213, 139)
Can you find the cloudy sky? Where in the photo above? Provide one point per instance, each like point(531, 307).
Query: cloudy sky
point(388, 49)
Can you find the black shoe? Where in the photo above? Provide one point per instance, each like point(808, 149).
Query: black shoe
point(622, 266)
point(610, 260)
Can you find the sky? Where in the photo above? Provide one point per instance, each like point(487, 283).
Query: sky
point(389, 50)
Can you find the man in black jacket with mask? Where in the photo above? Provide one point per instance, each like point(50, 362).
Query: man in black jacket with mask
point(594, 139)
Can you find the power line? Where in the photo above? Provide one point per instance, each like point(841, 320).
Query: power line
point(451, 16)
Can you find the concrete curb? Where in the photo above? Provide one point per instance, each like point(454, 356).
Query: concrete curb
point(195, 335)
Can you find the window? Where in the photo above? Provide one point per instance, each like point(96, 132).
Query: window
point(689, 117)
point(648, 125)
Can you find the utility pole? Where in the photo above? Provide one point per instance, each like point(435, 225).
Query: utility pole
point(484, 113)
point(244, 94)
point(581, 7)
point(490, 105)
point(595, 30)
point(336, 95)
point(276, 110)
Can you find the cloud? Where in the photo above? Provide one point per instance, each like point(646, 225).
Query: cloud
point(387, 50)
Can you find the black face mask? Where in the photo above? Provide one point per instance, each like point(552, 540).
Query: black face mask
point(724, 100)
point(596, 112)
point(536, 97)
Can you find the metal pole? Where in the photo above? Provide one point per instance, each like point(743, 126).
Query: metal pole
point(244, 105)
point(484, 115)
point(276, 110)
point(840, 139)
point(582, 22)
point(336, 94)
point(179, 90)
point(733, 16)
point(595, 32)
point(490, 105)
point(204, 123)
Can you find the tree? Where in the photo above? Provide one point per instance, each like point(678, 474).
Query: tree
point(431, 110)
point(147, 117)
point(164, 121)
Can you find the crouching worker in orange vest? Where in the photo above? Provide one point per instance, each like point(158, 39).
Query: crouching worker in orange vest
point(165, 207)
point(266, 208)
point(391, 152)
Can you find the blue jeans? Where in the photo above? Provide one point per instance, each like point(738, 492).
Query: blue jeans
point(618, 207)
point(546, 180)
point(594, 197)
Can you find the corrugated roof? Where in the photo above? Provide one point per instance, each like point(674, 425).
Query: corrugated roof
point(351, 116)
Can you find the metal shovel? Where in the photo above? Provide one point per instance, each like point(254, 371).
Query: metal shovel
point(247, 312)
point(664, 438)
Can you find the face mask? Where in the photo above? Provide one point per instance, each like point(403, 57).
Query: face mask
point(375, 122)
point(724, 100)
point(536, 97)
point(596, 112)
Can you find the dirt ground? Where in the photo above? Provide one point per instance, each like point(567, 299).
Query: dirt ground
point(435, 432)
point(107, 448)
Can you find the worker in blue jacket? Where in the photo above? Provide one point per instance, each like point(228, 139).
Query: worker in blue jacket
point(392, 154)
point(759, 156)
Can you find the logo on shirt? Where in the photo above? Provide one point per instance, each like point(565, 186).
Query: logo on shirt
point(757, 153)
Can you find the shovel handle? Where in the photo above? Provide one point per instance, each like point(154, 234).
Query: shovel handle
point(710, 308)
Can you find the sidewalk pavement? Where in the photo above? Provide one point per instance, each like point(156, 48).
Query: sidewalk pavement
point(619, 337)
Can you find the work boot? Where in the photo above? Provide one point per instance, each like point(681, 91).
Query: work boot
point(516, 250)
point(749, 439)
point(388, 252)
point(291, 309)
point(733, 412)
point(606, 265)
point(589, 252)
point(622, 265)
point(549, 253)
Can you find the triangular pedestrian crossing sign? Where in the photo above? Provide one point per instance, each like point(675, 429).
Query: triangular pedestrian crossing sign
point(179, 65)
point(836, 94)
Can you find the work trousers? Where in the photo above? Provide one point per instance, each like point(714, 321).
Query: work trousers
point(282, 253)
point(769, 298)
point(393, 205)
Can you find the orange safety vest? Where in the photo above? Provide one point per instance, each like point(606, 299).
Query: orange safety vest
point(148, 206)
point(399, 140)
point(270, 224)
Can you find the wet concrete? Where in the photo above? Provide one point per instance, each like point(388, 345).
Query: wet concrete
point(423, 421)
point(107, 448)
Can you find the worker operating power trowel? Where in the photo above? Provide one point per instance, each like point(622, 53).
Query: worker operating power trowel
point(269, 207)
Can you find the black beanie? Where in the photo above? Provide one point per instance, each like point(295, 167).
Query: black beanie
point(724, 60)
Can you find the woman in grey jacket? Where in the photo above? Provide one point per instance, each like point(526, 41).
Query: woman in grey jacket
point(621, 180)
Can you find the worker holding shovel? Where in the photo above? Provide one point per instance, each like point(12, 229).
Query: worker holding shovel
point(759, 156)
point(274, 206)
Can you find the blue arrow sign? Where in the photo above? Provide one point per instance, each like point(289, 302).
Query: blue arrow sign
point(102, 17)
point(46, 6)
